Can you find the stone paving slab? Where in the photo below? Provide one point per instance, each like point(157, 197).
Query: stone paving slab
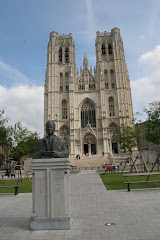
point(135, 215)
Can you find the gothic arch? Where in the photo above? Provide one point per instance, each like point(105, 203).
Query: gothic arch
point(114, 144)
point(112, 76)
point(110, 51)
point(112, 127)
point(106, 79)
point(67, 81)
point(111, 107)
point(61, 81)
point(88, 113)
point(64, 109)
point(89, 144)
point(103, 48)
point(64, 132)
point(66, 55)
point(60, 55)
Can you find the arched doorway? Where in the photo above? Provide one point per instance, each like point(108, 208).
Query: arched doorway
point(89, 144)
point(114, 144)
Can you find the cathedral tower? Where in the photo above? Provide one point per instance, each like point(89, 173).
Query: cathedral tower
point(88, 107)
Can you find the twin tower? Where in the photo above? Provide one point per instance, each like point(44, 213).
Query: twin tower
point(88, 106)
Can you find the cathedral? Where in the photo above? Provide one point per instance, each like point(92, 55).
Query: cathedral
point(88, 106)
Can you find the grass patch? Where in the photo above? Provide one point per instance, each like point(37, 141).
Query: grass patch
point(26, 186)
point(115, 181)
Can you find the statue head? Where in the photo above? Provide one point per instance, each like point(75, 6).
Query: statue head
point(50, 127)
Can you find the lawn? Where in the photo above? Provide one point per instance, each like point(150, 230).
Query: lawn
point(115, 181)
point(26, 186)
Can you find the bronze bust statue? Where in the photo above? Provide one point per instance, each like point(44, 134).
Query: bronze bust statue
point(51, 146)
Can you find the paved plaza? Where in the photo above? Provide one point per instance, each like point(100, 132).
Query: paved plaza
point(131, 216)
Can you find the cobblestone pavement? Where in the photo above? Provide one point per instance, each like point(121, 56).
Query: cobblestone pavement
point(131, 216)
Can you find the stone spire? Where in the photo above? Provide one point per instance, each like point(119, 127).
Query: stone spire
point(85, 62)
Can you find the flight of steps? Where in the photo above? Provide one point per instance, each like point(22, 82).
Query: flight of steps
point(98, 160)
point(89, 161)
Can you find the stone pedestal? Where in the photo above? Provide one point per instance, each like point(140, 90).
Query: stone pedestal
point(50, 194)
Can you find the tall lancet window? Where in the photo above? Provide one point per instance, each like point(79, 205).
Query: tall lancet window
point(88, 115)
point(111, 107)
point(110, 51)
point(64, 109)
point(67, 81)
point(61, 82)
point(60, 55)
point(113, 84)
point(103, 49)
point(106, 79)
point(66, 55)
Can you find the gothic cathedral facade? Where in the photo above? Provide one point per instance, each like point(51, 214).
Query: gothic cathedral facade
point(88, 107)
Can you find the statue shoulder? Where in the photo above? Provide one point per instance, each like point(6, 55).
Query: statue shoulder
point(41, 140)
point(59, 140)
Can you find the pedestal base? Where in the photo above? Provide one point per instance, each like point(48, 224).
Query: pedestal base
point(56, 223)
point(50, 194)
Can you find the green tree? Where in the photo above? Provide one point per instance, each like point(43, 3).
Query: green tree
point(127, 139)
point(5, 135)
point(153, 123)
point(23, 142)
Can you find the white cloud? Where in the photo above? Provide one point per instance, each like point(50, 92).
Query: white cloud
point(151, 58)
point(146, 89)
point(24, 104)
point(12, 73)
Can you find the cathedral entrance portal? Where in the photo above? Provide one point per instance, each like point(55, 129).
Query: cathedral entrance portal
point(93, 149)
point(114, 147)
point(85, 149)
point(89, 144)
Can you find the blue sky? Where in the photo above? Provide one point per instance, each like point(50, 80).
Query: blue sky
point(24, 35)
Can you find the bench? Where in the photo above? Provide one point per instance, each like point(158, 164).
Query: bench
point(13, 186)
point(7, 173)
point(140, 174)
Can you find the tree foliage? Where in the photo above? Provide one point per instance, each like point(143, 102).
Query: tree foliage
point(153, 122)
point(23, 142)
point(127, 139)
point(19, 140)
point(5, 138)
point(141, 133)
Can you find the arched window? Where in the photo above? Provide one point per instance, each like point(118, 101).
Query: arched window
point(113, 85)
point(103, 49)
point(113, 127)
point(111, 107)
point(106, 79)
point(61, 82)
point(60, 55)
point(64, 109)
point(88, 115)
point(83, 87)
point(67, 81)
point(67, 55)
point(110, 49)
